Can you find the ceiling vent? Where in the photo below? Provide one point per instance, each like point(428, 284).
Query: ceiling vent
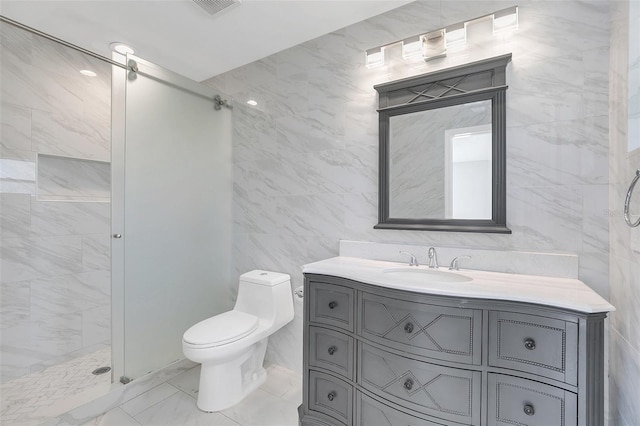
point(216, 6)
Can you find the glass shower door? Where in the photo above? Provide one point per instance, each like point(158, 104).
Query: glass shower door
point(172, 214)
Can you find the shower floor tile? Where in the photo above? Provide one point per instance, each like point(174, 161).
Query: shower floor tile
point(36, 397)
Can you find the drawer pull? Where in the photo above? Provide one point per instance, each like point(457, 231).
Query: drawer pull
point(528, 410)
point(332, 305)
point(408, 327)
point(408, 384)
point(332, 395)
point(529, 343)
point(332, 350)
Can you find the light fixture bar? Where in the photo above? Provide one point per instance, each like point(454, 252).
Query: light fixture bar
point(434, 44)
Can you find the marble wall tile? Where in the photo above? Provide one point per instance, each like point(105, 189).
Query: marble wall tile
point(15, 303)
point(16, 126)
point(57, 134)
point(25, 259)
point(69, 294)
point(50, 218)
point(96, 325)
point(96, 252)
point(15, 218)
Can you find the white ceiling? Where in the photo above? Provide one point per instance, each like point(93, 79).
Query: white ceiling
point(180, 36)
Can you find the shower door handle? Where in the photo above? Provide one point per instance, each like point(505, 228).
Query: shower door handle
point(117, 235)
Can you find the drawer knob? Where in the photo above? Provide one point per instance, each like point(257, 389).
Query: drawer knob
point(528, 410)
point(529, 343)
point(408, 327)
point(332, 350)
point(333, 305)
point(408, 384)
point(332, 395)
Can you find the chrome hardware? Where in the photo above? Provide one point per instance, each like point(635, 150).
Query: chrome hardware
point(117, 235)
point(408, 384)
point(413, 261)
point(433, 258)
point(529, 343)
point(333, 305)
point(627, 201)
point(332, 350)
point(218, 103)
point(408, 327)
point(528, 410)
point(454, 263)
point(332, 395)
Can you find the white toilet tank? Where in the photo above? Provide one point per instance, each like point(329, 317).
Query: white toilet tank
point(267, 295)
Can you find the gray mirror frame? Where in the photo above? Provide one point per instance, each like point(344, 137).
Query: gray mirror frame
point(402, 97)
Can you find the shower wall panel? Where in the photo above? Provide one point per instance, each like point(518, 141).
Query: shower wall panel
point(55, 276)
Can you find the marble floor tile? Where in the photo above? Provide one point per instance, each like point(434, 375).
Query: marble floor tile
point(115, 417)
point(261, 408)
point(188, 381)
point(148, 399)
point(180, 409)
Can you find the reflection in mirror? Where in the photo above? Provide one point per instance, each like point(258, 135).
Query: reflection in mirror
point(440, 163)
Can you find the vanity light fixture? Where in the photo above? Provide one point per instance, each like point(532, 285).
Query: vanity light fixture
point(434, 44)
point(505, 20)
point(121, 48)
point(88, 73)
point(374, 57)
point(456, 34)
point(412, 47)
point(252, 102)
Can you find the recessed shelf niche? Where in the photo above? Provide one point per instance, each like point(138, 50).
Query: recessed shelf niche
point(72, 179)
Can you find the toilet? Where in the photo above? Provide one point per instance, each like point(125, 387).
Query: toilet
point(231, 346)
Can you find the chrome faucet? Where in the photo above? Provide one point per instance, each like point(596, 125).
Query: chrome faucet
point(454, 263)
point(433, 258)
point(413, 261)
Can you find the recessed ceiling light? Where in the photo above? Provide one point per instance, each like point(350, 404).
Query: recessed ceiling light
point(88, 73)
point(121, 48)
point(252, 102)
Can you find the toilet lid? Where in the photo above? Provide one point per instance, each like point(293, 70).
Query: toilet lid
point(224, 328)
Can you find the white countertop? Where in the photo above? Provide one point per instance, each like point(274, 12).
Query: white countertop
point(557, 292)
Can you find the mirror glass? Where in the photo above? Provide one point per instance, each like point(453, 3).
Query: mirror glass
point(440, 163)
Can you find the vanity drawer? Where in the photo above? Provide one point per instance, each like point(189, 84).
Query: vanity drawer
point(331, 350)
point(515, 401)
point(373, 413)
point(331, 396)
point(444, 393)
point(331, 304)
point(440, 332)
point(535, 344)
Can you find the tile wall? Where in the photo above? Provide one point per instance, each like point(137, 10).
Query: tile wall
point(55, 277)
point(306, 158)
point(624, 160)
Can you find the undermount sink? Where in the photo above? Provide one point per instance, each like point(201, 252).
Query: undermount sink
point(429, 275)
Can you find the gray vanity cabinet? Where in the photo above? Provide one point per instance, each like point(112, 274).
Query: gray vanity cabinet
point(374, 356)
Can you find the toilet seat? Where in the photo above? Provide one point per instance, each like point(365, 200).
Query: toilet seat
point(221, 329)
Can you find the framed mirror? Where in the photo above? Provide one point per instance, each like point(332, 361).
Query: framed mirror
point(443, 150)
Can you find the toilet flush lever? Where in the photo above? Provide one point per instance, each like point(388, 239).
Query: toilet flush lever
point(117, 235)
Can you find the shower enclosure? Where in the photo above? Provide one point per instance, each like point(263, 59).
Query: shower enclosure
point(142, 155)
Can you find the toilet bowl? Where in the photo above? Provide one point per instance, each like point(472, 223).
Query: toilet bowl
point(231, 346)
